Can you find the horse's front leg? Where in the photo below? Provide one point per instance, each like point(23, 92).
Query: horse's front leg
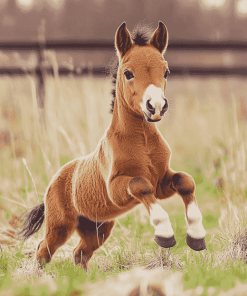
point(184, 185)
point(142, 190)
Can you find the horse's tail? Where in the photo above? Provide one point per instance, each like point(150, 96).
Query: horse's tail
point(33, 219)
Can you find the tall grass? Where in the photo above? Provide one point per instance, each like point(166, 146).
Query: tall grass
point(206, 129)
point(76, 115)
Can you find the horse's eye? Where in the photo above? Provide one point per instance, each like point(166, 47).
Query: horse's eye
point(128, 74)
point(167, 71)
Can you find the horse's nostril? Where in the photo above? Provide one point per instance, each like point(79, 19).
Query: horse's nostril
point(150, 107)
point(165, 107)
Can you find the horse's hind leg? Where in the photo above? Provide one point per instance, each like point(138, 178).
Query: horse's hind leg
point(92, 236)
point(54, 239)
point(184, 185)
point(61, 216)
point(58, 231)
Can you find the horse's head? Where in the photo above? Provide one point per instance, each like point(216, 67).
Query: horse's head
point(142, 73)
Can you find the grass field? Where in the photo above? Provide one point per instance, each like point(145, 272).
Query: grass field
point(207, 132)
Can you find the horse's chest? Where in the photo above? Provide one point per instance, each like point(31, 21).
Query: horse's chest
point(154, 173)
point(158, 164)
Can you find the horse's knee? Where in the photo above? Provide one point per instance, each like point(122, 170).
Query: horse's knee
point(142, 189)
point(140, 186)
point(183, 183)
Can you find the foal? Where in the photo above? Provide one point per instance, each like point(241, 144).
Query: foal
point(131, 164)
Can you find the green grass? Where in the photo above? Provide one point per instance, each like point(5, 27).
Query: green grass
point(207, 134)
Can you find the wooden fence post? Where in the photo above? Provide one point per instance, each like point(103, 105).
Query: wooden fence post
point(41, 72)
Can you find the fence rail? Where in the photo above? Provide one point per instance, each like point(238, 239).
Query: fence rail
point(94, 45)
point(109, 45)
point(100, 71)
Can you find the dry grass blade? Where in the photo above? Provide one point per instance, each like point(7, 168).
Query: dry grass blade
point(164, 259)
point(14, 201)
point(233, 226)
point(34, 186)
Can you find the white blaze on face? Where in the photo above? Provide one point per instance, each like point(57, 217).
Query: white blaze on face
point(159, 219)
point(194, 220)
point(155, 96)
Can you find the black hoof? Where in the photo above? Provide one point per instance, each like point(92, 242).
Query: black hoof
point(196, 244)
point(165, 242)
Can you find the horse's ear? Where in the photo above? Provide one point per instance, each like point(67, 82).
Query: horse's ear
point(160, 38)
point(123, 41)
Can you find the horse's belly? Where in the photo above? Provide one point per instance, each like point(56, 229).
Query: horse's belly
point(112, 211)
point(100, 208)
point(96, 205)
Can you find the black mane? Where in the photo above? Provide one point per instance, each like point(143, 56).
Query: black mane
point(141, 35)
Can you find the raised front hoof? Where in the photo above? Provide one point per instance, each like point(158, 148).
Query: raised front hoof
point(165, 242)
point(196, 244)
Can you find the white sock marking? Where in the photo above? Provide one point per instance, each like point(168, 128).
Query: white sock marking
point(159, 219)
point(194, 220)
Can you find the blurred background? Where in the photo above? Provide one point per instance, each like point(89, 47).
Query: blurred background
point(55, 92)
point(192, 20)
point(98, 19)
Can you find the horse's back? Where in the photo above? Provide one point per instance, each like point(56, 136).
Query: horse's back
point(64, 180)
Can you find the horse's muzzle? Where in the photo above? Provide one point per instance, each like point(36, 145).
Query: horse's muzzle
point(154, 114)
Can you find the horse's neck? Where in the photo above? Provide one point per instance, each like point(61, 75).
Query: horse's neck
point(127, 123)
